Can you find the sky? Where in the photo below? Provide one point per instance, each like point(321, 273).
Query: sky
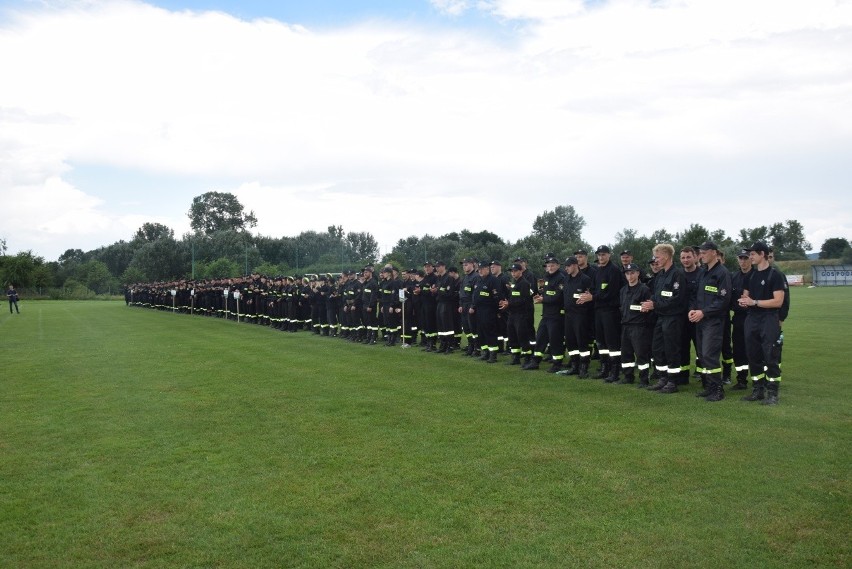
point(408, 117)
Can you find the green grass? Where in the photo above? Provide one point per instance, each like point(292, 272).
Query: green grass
point(136, 438)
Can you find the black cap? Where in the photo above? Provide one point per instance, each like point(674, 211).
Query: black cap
point(743, 253)
point(367, 268)
point(452, 269)
point(551, 260)
point(386, 270)
point(652, 260)
point(626, 252)
point(427, 264)
point(498, 263)
point(516, 267)
point(484, 264)
point(603, 249)
point(519, 260)
point(759, 246)
point(581, 252)
point(631, 267)
point(440, 264)
point(708, 246)
point(470, 260)
point(571, 261)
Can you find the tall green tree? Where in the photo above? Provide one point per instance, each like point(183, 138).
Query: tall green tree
point(833, 248)
point(219, 211)
point(152, 231)
point(563, 224)
point(788, 240)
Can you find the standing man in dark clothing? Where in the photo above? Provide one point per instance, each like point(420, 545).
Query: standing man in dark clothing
point(529, 276)
point(669, 303)
point(391, 306)
point(709, 312)
point(429, 306)
point(487, 295)
point(738, 285)
point(764, 297)
point(446, 297)
point(502, 331)
point(689, 262)
point(551, 327)
point(12, 295)
point(577, 316)
point(635, 328)
point(606, 285)
point(470, 266)
point(515, 309)
point(369, 306)
point(582, 257)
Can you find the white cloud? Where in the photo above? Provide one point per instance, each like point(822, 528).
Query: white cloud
point(370, 125)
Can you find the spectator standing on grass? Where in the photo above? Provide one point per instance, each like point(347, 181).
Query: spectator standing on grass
point(12, 295)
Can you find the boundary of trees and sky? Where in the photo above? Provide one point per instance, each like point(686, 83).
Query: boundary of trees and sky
point(221, 245)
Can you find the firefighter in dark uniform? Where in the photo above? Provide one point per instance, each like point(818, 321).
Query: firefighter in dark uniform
point(429, 306)
point(470, 266)
point(551, 327)
point(605, 292)
point(709, 312)
point(577, 316)
point(502, 331)
point(446, 298)
point(738, 318)
point(515, 308)
point(582, 257)
point(390, 305)
point(785, 308)
point(635, 328)
point(409, 322)
point(670, 304)
point(369, 306)
point(487, 295)
point(531, 279)
point(689, 263)
point(764, 297)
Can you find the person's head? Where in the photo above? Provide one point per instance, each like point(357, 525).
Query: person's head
point(603, 254)
point(758, 253)
point(664, 253)
point(469, 264)
point(484, 268)
point(709, 253)
point(688, 258)
point(654, 265)
point(496, 268)
point(771, 255)
point(744, 261)
point(551, 265)
point(517, 270)
point(440, 268)
point(522, 262)
point(582, 257)
point(626, 258)
point(572, 267)
point(632, 272)
point(428, 267)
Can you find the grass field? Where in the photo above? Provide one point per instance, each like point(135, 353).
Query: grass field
point(136, 438)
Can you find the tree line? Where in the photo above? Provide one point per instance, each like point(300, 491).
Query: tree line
point(221, 245)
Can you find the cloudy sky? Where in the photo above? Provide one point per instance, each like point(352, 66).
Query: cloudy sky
point(405, 117)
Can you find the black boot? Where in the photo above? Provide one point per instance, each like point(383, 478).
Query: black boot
point(526, 360)
point(583, 370)
point(726, 374)
point(516, 360)
point(628, 377)
point(716, 388)
point(603, 371)
point(643, 379)
point(492, 357)
point(556, 366)
point(373, 339)
point(485, 354)
point(532, 364)
point(706, 387)
point(573, 366)
point(670, 387)
point(771, 393)
point(614, 369)
point(742, 381)
point(757, 393)
point(661, 383)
